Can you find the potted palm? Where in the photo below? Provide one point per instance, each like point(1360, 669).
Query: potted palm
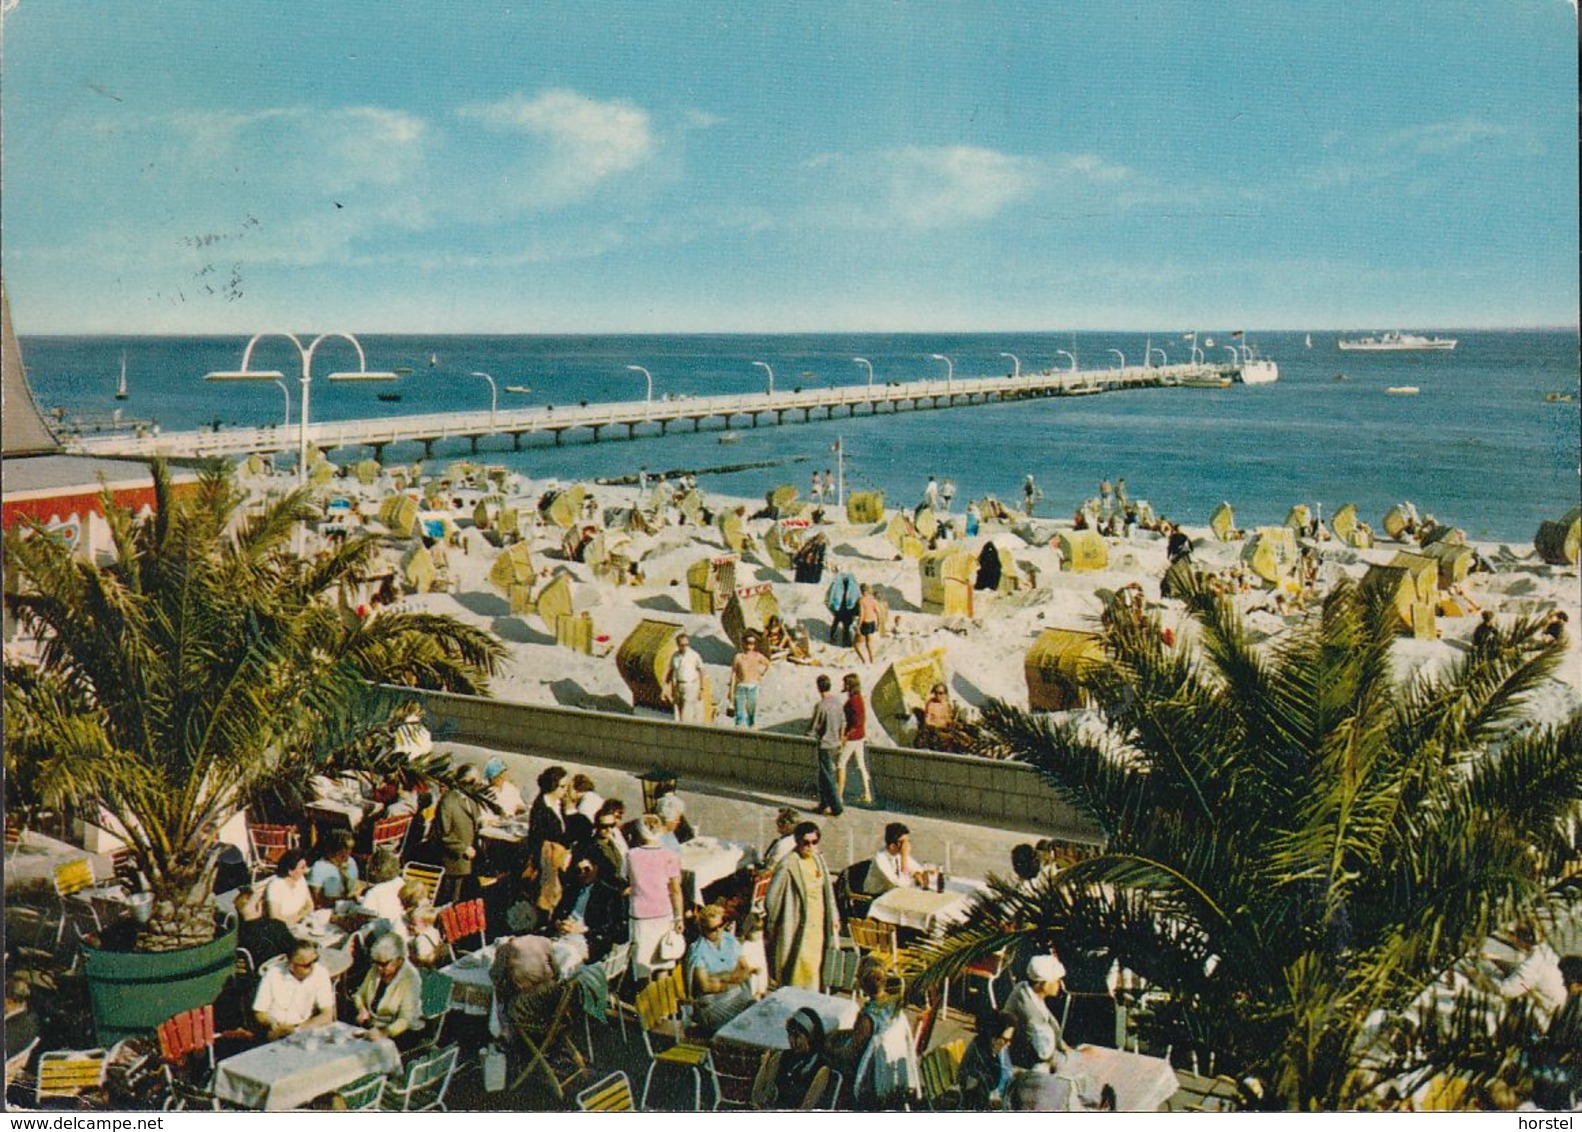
point(203, 660)
point(1299, 841)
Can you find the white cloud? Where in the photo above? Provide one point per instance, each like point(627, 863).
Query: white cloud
point(1445, 137)
point(586, 141)
point(931, 187)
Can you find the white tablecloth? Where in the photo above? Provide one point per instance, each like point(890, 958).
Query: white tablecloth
point(1141, 1083)
point(711, 859)
point(333, 811)
point(511, 831)
point(920, 908)
point(295, 1070)
point(471, 988)
point(763, 1024)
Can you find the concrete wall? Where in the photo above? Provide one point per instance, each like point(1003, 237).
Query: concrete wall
point(962, 787)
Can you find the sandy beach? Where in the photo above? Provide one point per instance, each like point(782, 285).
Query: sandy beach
point(983, 654)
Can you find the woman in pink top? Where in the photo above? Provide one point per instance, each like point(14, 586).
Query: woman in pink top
point(655, 873)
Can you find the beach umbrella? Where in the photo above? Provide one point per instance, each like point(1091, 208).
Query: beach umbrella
point(367, 472)
point(1222, 522)
point(1054, 666)
point(1558, 543)
point(865, 507)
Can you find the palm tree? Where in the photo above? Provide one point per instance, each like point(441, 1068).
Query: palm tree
point(205, 660)
point(1297, 841)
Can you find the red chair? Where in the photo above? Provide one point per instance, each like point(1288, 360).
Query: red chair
point(390, 833)
point(269, 844)
point(761, 891)
point(460, 920)
point(189, 1032)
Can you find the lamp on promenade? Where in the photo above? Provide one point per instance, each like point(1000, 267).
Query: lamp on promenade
point(1235, 358)
point(950, 370)
point(494, 394)
point(771, 376)
point(1070, 355)
point(1015, 361)
point(246, 373)
point(1164, 358)
point(648, 377)
point(286, 390)
point(866, 362)
point(1119, 355)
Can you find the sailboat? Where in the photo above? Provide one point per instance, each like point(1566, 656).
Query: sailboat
point(120, 388)
point(433, 360)
point(1308, 342)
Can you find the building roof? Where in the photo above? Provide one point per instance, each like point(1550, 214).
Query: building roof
point(34, 476)
point(22, 428)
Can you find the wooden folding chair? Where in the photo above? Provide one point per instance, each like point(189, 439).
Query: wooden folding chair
point(423, 1086)
point(269, 843)
point(736, 1067)
point(459, 921)
point(76, 885)
point(17, 1062)
point(187, 1033)
point(436, 1003)
point(939, 1068)
point(554, 1039)
point(363, 1095)
point(390, 833)
point(987, 971)
point(429, 876)
point(612, 1094)
point(875, 937)
point(840, 970)
point(69, 1073)
point(658, 1005)
point(761, 891)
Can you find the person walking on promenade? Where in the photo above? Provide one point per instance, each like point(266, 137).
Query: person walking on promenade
point(800, 917)
point(747, 669)
point(827, 725)
point(684, 682)
point(867, 623)
point(852, 744)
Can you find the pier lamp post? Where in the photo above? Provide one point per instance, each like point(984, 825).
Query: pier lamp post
point(950, 370)
point(286, 391)
point(1070, 355)
point(494, 394)
point(1119, 355)
point(1164, 358)
point(866, 362)
point(1235, 358)
point(1017, 362)
point(305, 353)
point(647, 377)
point(771, 373)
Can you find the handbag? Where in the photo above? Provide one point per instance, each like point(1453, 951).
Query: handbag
point(671, 947)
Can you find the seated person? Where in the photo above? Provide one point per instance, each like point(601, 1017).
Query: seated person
point(776, 641)
point(893, 866)
point(846, 1047)
point(568, 948)
point(938, 714)
point(718, 974)
point(262, 936)
point(425, 944)
point(526, 989)
point(986, 1071)
point(382, 897)
point(1037, 1041)
point(294, 993)
point(389, 1000)
point(795, 1078)
point(506, 793)
point(287, 896)
point(673, 812)
point(334, 875)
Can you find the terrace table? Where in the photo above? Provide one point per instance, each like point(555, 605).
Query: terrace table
point(513, 831)
point(471, 984)
point(334, 811)
point(763, 1024)
point(302, 1066)
point(1141, 1083)
point(706, 860)
point(922, 909)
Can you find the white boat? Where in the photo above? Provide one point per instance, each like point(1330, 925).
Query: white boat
point(729, 437)
point(1406, 389)
point(519, 389)
point(120, 389)
point(1308, 341)
point(1395, 341)
point(1257, 371)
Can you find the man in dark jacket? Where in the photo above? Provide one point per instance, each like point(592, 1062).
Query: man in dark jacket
point(454, 839)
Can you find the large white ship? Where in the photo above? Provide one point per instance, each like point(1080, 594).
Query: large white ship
point(1395, 340)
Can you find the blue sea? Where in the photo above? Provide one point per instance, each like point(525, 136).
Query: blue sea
point(1479, 446)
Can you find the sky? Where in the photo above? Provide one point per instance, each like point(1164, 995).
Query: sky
point(176, 166)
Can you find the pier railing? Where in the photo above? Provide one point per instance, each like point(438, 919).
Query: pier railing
point(380, 432)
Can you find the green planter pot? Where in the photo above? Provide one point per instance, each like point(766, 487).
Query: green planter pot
point(134, 991)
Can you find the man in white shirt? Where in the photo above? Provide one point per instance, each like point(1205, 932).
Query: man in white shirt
point(1536, 977)
point(684, 682)
point(294, 993)
point(893, 866)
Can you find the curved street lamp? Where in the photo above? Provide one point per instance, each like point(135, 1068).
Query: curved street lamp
point(771, 373)
point(950, 370)
point(1235, 358)
point(494, 394)
point(1070, 355)
point(866, 362)
point(647, 377)
point(1015, 361)
point(1164, 358)
point(305, 353)
point(1119, 355)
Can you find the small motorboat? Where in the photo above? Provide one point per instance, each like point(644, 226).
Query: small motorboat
point(120, 388)
point(729, 437)
point(1341, 377)
point(1559, 398)
point(519, 389)
point(402, 371)
point(1402, 389)
point(389, 396)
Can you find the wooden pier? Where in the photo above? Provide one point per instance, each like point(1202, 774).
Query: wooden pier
point(645, 417)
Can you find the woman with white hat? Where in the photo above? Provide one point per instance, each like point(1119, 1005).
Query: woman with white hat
point(1037, 1041)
